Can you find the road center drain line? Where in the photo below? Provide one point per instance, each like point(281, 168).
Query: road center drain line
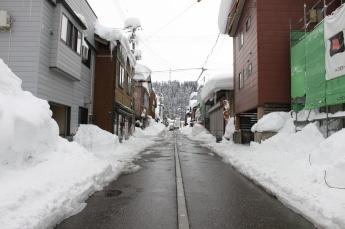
point(182, 214)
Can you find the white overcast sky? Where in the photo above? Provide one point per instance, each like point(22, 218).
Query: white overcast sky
point(182, 43)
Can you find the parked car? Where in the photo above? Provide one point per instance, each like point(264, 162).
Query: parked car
point(171, 127)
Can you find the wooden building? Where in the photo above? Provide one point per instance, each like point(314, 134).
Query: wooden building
point(113, 107)
point(152, 104)
point(261, 49)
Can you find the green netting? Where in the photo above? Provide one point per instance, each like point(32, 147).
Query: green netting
point(309, 52)
point(298, 69)
point(335, 92)
point(315, 69)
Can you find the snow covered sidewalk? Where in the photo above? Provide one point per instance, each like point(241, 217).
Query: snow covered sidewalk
point(292, 167)
point(44, 178)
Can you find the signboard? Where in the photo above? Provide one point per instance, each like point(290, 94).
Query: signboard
point(334, 44)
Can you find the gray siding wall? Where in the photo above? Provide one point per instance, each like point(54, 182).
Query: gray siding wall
point(54, 86)
point(19, 48)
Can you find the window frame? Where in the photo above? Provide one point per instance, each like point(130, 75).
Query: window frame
point(73, 36)
point(240, 80)
point(241, 39)
point(121, 76)
point(250, 69)
point(248, 23)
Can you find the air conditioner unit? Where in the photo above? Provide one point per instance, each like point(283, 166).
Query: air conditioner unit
point(84, 52)
point(5, 20)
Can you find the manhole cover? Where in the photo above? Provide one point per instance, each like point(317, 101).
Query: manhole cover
point(113, 193)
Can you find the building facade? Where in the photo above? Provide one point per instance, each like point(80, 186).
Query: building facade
point(261, 48)
point(49, 45)
point(113, 107)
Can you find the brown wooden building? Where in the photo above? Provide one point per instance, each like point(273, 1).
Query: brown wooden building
point(152, 104)
point(261, 49)
point(113, 103)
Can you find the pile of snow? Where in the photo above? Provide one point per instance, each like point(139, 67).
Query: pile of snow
point(27, 129)
point(230, 129)
point(329, 155)
point(113, 36)
point(302, 169)
point(132, 22)
point(274, 122)
point(44, 178)
point(152, 129)
point(216, 83)
point(95, 139)
point(224, 11)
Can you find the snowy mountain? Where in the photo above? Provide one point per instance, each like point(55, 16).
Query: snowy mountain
point(175, 96)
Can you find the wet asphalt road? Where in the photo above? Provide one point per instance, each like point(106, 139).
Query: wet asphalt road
point(216, 195)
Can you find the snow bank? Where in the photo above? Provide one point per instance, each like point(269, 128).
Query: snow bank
point(224, 11)
point(273, 122)
point(113, 35)
point(44, 178)
point(27, 129)
point(292, 167)
point(230, 129)
point(95, 139)
point(216, 83)
point(330, 151)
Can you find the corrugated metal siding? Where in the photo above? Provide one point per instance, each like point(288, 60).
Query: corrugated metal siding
point(217, 122)
point(247, 97)
point(23, 48)
point(274, 47)
point(52, 85)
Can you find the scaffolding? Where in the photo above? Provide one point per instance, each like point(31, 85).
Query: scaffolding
point(309, 87)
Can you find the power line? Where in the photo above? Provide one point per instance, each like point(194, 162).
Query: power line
point(172, 20)
point(173, 70)
point(207, 58)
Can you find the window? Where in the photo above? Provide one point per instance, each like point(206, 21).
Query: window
point(86, 53)
point(70, 35)
point(129, 85)
point(121, 76)
point(248, 23)
point(64, 23)
point(250, 69)
point(241, 39)
point(241, 80)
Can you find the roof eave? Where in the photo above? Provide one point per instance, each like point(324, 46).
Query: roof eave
point(234, 17)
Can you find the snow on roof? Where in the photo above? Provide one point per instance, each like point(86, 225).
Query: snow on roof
point(224, 11)
point(193, 95)
point(142, 73)
point(82, 19)
point(193, 103)
point(132, 22)
point(216, 83)
point(113, 35)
